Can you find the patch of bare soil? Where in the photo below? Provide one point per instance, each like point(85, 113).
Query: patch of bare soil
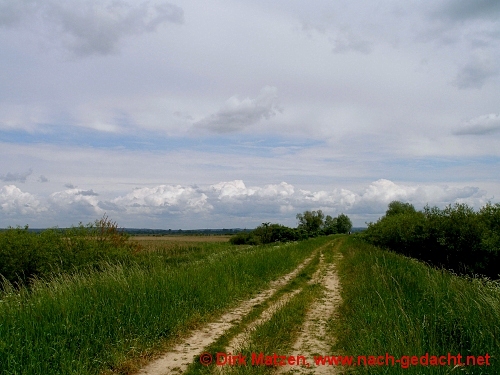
point(312, 339)
point(182, 355)
point(241, 340)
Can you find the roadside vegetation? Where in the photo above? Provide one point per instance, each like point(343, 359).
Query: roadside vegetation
point(456, 237)
point(397, 305)
point(91, 300)
point(92, 320)
point(310, 224)
point(25, 255)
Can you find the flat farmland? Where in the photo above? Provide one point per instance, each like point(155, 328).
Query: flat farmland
point(180, 239)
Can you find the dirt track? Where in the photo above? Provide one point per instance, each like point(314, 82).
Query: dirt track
point(311, 340)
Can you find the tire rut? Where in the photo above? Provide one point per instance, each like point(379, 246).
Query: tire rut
point(177, 360)
point(312, 339)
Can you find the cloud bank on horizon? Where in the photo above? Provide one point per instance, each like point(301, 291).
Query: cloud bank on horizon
point(155, 112)
point(230, 202)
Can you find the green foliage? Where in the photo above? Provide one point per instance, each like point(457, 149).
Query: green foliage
point(344, 224)
point(87, 323)
point(244, 238)
point(397, 305)
point(264, 234)
point(269, 233)
point(398, 208)
point(25, 255)
point(311, 222)
point(330, 225)
point(455, 237)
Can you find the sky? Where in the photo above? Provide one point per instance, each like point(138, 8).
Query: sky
point(227, 114)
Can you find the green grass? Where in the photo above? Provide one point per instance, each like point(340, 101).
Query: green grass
point(397, 305)
point(91, 322)
point(278, 334)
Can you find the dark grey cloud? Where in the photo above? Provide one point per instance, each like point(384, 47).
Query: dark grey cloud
point(88, 193)
point(69, 186)
point(482, 125)
point(12, 12)
point(42, 178)
point(237, 114)
point(16, 177)
point(475, 74)
point(89, 27)
point(462, 10)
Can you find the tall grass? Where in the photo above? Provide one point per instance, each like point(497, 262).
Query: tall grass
point(397, 305)
point(89, 322)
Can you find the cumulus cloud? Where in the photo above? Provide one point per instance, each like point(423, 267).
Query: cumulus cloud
point(236, 198)
point(230, 201)
point(14, 201)
point(88, 27)
point(376, 197)
point(16, 177)
point(238, 114)
point(486, 124)
point(79, 202)
point(163, 199)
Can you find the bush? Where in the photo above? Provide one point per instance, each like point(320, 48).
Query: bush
point(455, 237)
point(25, 255)
point(264, 234)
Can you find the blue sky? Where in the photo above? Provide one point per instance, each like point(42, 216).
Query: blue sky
point(179, 114)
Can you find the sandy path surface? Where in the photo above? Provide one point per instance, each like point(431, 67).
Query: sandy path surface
point(312, 338)
point(182, 355)
point(240, 340)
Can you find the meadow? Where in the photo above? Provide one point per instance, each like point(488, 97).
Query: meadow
point(127, 300)
point(398, 305)
point(116, 317)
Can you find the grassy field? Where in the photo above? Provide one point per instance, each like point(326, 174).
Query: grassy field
point(394, 304)
point(115, 319)
point(91, 322)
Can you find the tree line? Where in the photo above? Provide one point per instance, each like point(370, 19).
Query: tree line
point(456, 237)
point(310, 224)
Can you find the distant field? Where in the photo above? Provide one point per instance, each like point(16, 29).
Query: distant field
point(181, 238)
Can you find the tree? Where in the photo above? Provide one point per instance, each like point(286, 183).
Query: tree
point(311, 222)
point(330, 225)
point(398, 208)
point(344, 224)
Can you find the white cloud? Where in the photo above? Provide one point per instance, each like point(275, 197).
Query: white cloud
point(238, 114)
point(482, 125)
point(228, 203)
point(237, 189)
point(376, 197)
point(15, 202)
point(173, 199)
point(75, 201)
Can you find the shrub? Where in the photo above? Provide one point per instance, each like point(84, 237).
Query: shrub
point(455, 237)
point(25, 255)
